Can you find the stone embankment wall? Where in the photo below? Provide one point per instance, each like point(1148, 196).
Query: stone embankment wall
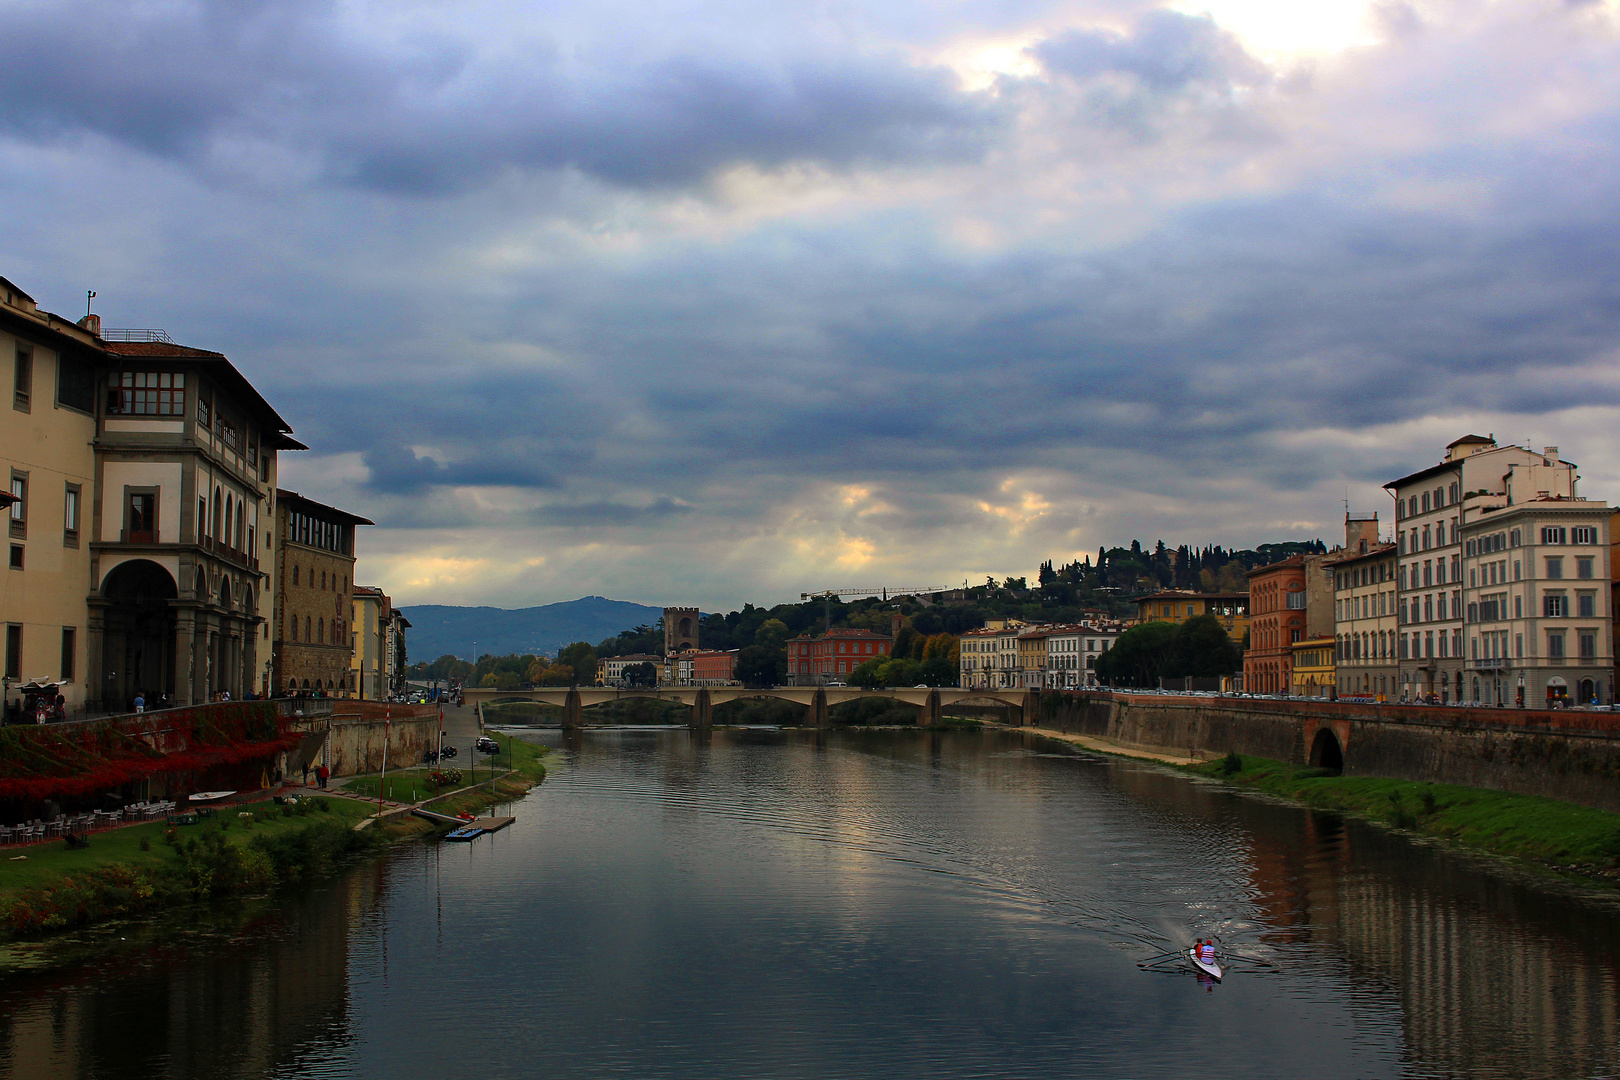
point(1569, 755)
point(355, 737)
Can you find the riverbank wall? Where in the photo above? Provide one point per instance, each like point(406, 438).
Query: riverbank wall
point(359, 730)
point(1569, 755)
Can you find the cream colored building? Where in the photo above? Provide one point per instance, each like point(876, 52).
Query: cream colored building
point(989, 656)
point(1366, 625)
point(1535, 582)
point(49, 369)
point(1072, 651)
point(369, 630)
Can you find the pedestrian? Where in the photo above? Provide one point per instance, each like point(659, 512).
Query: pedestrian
point(140, 702)
point(306, 772)
point(321, 774)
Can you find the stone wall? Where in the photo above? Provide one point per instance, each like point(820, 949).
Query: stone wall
point(1569, 755)
point(354, 741)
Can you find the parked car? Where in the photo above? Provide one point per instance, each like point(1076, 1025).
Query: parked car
point(487, 745)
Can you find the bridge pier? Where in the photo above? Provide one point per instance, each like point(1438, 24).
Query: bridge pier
point(819, 716)
point(930, 711)
point(702, 709)
point(573, 709)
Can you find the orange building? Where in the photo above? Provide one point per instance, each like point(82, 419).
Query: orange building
point(1276, 622)
point(714, 668)
point(831, 657)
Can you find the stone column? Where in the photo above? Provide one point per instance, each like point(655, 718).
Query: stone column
point(819, 716)
point(573, 709)
point(702, 709)
point(931, 710)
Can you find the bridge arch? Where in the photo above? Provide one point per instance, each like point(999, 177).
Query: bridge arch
point(1326, 753)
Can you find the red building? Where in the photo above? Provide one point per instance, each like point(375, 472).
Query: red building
point(831, 657)
point(1276, 622)
point(714, 668)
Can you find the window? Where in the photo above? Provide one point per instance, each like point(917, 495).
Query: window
point(142, 525)
point(1551, 535)
point(1588, 644)
point(22, 386)
point(14, 653)
point(1518, 607)
point(295, 573)
point(203, 412)
point(1513, 538)
point(1583, 534)
point(1555, 644)
point(69, 640)
point(228, 434)
point(147, 393)
point(1583, 567)
point(19, 508)
point(75, 384)
point(16, 556)
point(1586, 605)
point(1425, 502)
point(1295, 601)
point(1555, 567)
point(70, 515)
point(295, 628)
point(1555, 605)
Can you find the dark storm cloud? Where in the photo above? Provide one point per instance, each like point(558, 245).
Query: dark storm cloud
point(213, 82)
point(397, 470)
point(594, 514)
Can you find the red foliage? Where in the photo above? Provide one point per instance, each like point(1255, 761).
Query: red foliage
point(54, 761)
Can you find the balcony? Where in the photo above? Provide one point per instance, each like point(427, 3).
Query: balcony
point(1489, 663)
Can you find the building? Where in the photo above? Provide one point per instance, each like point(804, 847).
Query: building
point(1366, 627)
point(1312, 668)
point(312, 647)
point(833, 656)
point(988, 657)
point(1277, 598)
point(52, 368)
point(611, 669)
point(1031, 645)
point(713, 668)
point(681, 629)
point(1535, 590)
point(1072, 651)
point(1176, 605)
point(394, 656)
point(368, 638)
point(1428, 520)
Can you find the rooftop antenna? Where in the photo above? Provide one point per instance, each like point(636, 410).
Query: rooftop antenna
point(89, 295)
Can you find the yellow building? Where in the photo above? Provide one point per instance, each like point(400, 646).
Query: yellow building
point(49, 368)
point(1231, 610)
point(1313, 668)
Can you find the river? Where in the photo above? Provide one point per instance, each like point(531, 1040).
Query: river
point(751, 903)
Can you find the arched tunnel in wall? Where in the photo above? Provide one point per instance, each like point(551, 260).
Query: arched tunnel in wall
point(1326, 753)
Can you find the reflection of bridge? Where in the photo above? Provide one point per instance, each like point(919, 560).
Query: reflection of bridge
point(817, 700)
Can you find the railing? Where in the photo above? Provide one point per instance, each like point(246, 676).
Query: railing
point(149, 335)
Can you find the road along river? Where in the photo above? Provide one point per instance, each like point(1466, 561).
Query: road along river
point(850, 903)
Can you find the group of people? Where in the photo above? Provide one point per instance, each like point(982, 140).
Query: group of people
point(1204, 950)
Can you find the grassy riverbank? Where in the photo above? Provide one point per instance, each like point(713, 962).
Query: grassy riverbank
point(1544, 833)
point(151, 866)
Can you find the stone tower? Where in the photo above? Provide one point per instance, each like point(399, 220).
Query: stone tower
point(680, 629)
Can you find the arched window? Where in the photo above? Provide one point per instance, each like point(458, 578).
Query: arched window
point(230, 520)
point(218, 511)
point(323, 581)
point(295, 628)
point(295, 573)
point(320, 631)
point(306, 628)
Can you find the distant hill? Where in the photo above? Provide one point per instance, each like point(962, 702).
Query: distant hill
point(437, 629)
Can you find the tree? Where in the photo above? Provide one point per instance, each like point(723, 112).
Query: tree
point(905, 642)
point(1138, 656)
point(559, 675)
point(759, 666)
point(580, 659)
point(1203, 650)
point(642, 674)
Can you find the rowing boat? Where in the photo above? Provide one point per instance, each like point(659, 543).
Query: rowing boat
point(1211, 968)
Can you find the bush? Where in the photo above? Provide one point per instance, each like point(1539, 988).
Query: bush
point(1231, 763)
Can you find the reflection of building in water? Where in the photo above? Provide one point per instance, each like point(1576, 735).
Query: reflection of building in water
point(243, 1009)
point(1493, 977)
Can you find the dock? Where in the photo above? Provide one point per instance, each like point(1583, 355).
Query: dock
point(464, 829)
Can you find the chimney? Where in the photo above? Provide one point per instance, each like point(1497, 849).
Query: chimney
point(1550, 453)
point(92, 323)
point(1360, 531)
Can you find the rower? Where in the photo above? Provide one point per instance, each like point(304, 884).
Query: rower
point(1206, 951)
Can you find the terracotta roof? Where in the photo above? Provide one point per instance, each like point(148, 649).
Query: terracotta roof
point(218, 367)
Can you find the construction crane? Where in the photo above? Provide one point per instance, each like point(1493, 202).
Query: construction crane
point(882, 590)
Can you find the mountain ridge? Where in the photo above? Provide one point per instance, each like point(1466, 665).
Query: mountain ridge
point(437, 629)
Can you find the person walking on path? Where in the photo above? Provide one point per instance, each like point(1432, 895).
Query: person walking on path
point(140, 702)
point(321, 774)
point(306, 772)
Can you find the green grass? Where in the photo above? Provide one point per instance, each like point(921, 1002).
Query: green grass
point(47, 863)
point(1546, 832)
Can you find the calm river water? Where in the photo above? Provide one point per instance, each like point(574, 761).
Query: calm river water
point(853, 904)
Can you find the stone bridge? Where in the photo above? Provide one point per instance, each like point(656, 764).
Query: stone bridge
point(817, 700)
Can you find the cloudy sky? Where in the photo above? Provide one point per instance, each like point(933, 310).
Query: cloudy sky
point(712, 302)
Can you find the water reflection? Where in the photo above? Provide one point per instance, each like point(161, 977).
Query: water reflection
point(939, 904)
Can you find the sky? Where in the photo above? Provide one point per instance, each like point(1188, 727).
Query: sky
point(705, 302)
